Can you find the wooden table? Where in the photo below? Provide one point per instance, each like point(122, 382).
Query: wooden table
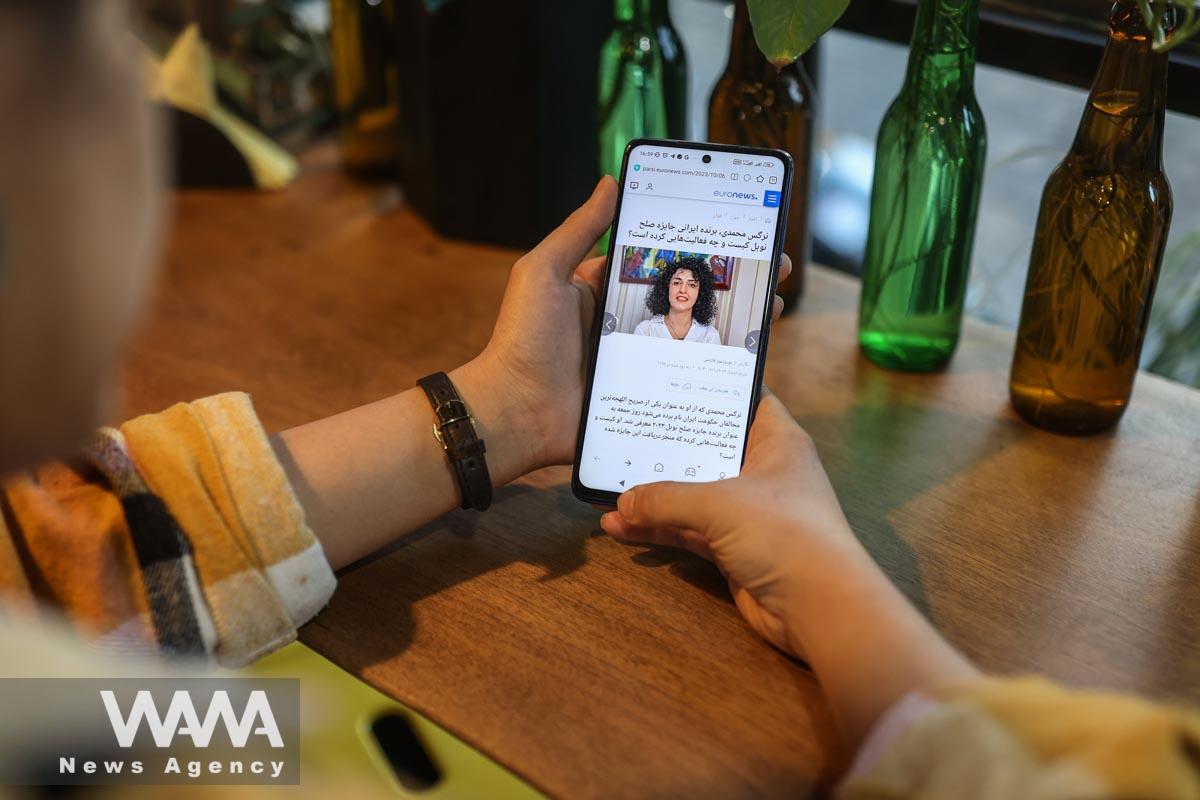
point(594, 669)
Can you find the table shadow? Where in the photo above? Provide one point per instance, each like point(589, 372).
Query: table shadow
point(454, 540)
point(879, 458)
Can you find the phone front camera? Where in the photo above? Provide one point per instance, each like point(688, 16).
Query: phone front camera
point(707, 159)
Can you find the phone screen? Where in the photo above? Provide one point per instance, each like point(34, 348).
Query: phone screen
point(686, 307)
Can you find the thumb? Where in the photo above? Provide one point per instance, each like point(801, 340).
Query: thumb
point(669, 504)
point(567, 244)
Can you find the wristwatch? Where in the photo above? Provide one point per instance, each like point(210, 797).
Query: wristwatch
point(454, 428)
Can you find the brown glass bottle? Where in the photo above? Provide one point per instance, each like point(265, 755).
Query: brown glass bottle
point(755, 104)
point(1098, 246)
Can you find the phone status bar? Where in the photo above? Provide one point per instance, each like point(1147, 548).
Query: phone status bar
point(724, 158)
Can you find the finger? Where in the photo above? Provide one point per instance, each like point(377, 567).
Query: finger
point(776, 308)
point(669, 504)
point(772, 421)
point(697, 543)
point(591, 272)
point(615, 526)
point(683, 538)
point(567, 244)
point(785, 267)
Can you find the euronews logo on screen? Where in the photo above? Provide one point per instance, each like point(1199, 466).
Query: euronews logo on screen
point(770, 197)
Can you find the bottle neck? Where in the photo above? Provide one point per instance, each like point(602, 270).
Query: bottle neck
point(746, 61)
point(942, 53)
point(660, 13)
point(636, 11)
point(1122, 126)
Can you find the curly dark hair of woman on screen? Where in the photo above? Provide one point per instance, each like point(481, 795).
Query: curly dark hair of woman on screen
point(683, 302)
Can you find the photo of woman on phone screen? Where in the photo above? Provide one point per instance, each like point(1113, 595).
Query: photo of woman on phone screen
point(683, 302)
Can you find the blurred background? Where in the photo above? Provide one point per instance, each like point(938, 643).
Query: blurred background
point(438, 95)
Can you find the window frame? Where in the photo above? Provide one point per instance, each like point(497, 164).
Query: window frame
point(1061, 44)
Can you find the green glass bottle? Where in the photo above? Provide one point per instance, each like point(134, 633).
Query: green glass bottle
point(929, 164)
point(675, 70)
point(631, 96)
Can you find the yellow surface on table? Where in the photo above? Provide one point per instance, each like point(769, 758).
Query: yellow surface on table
point(338, 712)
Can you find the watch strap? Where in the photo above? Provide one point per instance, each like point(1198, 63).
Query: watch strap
point(455, 429)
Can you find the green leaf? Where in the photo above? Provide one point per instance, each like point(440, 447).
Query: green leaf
point(785, 29)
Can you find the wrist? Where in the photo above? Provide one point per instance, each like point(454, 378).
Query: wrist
point(501, 419)
point(829, 590)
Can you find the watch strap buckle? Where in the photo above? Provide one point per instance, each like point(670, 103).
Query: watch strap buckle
point(449, 412)
point(454, 429)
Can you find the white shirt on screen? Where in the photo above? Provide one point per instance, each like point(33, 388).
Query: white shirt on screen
point(655, 326)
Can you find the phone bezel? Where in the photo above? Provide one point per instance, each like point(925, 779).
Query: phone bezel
point(605, 497)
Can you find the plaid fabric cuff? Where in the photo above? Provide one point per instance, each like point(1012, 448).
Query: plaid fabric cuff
point(260, 569)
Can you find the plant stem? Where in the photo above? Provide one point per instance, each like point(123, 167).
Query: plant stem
point(1155, 13)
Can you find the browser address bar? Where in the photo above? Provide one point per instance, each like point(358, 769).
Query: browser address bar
point(691, 173)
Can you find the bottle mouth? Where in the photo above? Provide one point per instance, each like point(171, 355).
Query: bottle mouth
point(1126, 19)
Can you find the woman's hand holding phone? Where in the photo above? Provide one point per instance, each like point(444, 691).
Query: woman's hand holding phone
point(797, 573)
point(765, 529)
point(534, 364)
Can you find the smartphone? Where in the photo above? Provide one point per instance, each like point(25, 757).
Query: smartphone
point(681, 332)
